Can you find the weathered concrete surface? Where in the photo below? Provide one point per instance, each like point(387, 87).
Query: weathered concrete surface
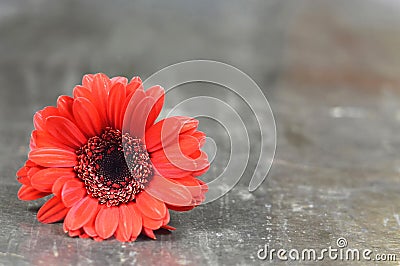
point(330, 69)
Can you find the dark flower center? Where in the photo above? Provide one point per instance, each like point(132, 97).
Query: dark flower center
point(114, 167)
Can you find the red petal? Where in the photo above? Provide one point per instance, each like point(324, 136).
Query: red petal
point(168, 192)
point(201, 172)
point(180, 208)
point(87, 80)
point(189, 124)
point(64, 105)
point(24, 180)
point(149, 233)
point(53, 157)
point(151, 223)
point(116, 100)
point(81, 213)
point(83, 91)
point(22, 176)
point(200, 136)
point(29, 163)
point(101, 85)
point(191, 184)
point(89, 227)
point(139, 116)
point(121, 80)
point(124, 230)
point(32, 141)
point(39, 119)
point(168, 227)
point(186, 166)
point(166, 219)
point(87, 117)
point(168, 170)
point(66, 131)
point(44, 179)
point(133, 85)
point(107, 221)
point(178, 153)
point(157, 93)
point(137, 97)
point(100, 88)
point(136, 218)
point(29, 193)
point(162, 133)
point(72, 192)
point(52, 211)
point(58, 185)
point(150, 206)
point(43, 139)
point(130, 91)
point(84, 235)
point(203, 184)
point(74, 233)
point(33, 170)
point(23, 171)
point(129, 118)
point(80, 232)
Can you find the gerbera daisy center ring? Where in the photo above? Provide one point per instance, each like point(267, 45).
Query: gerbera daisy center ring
point(104, 165)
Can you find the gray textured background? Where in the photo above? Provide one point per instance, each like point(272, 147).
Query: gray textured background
point(330, 69)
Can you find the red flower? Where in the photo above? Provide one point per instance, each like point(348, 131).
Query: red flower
point(111, 169)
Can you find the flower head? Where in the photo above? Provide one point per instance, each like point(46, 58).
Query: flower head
point(111, 169)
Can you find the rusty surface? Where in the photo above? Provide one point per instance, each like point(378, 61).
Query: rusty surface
point(331, 72)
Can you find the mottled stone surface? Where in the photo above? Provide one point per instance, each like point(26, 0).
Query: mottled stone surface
point(331, 72)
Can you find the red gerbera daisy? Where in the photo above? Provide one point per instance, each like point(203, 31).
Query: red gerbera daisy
point(111, 169)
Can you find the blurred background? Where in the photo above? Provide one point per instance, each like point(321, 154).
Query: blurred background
point(331, 73)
